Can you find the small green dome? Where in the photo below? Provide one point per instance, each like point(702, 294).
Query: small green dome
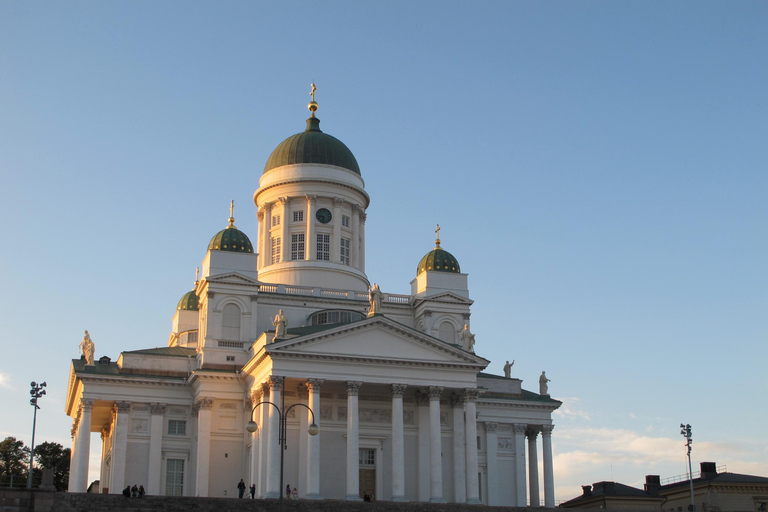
point(231, 239)
point(312, 147)
point(188, 302)
point(438, 260)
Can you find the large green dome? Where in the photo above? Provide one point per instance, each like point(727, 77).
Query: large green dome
point(231, 239)
point(438, 260)
point(188, 302)
point(312, 147)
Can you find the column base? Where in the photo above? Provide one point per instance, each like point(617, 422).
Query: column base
point(436, 500)
point(474, 501)
point(353, 497)
point(399, 498)
point(312, 497)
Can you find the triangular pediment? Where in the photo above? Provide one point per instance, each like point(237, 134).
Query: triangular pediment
point(446, 297)
point(232, 278)
point(380, 339)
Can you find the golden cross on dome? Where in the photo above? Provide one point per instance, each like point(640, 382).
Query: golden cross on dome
point(437, 232)
point(313, 91)
point(197, 276)
point(232, 213)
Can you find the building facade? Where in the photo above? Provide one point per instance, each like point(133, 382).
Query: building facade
point(291, 326)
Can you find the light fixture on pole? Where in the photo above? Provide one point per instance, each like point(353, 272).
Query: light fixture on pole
point(282, 440)
point(36, 392)
point(685, 430)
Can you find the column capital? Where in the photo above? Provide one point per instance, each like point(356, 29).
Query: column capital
point(491, 427)
point(363, 217)
point(284, 200)
point(87, 404)
point(532, 432)
point(157, 408)
point(106, 430)
point(471, 394)
point(267, 206)
point(457, 400)
point(356, 208)
point(260, 214)
point(421, 398)
point(353, 387)
point(311, 198)
point(121, 407)
point(256, 395)
point(398, 390)
point(520, 428)
point(435, 392)
point(275, 383)
point(546, 430)
point(314, 385)
point(203, 403)
point(337, 201)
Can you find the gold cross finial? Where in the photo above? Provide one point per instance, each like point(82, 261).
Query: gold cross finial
point(197, 276)
point(232, 213)
point(437, 232)
point(312, 104)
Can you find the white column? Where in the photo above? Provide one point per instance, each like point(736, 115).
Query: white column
point(313, 453)
point(491, 451)
point(260, 243)
point(310, 247)
point(398, 444)
point(255, 399)
point(354, 246)
point(266, 242)
point(104, 439)
point(549, 477)
point(203, 466)
point(459, 459)
point(120, 413)
point(263, 412)
point(470, 418)
point(273, 437)
point(155, 448)
point(82, 444)
point(435, 447)
point(336, 238)
point(353, 442)
point(422, 402)
point(73, 455)
point(285, 203)
point(363, 216)
point(520, 492)
point(533, 466)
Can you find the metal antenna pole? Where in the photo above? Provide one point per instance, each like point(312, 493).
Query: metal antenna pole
point(685, 430)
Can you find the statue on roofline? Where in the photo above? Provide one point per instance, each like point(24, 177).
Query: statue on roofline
point(88, 348)
point(280, 325)
point(508, 369)
point(374, 300)
point(543, 388)
point(467, 339)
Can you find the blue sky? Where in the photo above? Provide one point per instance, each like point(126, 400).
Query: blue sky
point(598, 169)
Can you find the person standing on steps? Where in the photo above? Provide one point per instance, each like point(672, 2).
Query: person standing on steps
point(288, 491)
point(253, 491)
point(240, 488)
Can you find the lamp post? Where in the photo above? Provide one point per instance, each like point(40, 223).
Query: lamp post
point(36, 392)
point(282, 440)
point(685, 430)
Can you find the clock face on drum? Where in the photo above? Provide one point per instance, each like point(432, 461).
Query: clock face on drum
point(323, 215)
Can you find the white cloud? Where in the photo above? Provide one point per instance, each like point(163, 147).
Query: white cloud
point(570, 409)
point(633, 416)
point(5, 381)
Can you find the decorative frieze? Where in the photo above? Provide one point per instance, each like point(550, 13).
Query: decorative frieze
point(178, 411)
point(139, 425)
point(158, 409)
point(520, 428)
point(203, 404)
point(228, 405)
point(506, 444)
point(326, 412)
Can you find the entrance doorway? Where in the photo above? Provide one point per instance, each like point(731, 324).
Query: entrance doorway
point(367, 473)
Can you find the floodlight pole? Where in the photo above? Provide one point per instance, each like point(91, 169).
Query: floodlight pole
point(685, 430)
point(282, 440)
point(36, 392)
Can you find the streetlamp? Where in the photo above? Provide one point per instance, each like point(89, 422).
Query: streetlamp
point(36, 392)
point(685, 430)
point(252, 427)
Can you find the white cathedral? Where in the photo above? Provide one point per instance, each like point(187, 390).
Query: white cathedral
point(349, 390)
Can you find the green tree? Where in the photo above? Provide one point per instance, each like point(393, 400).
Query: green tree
point(56, 457)
point(14, 459)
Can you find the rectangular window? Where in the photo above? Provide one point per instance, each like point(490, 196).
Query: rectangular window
point(297, 246)
point(177, 427)
point(367, 457)
point(230, 358)
point(323, 247)
point(298, 216)
point(174, 477)
point(345, 251)
point(275, 220)
point(276, 250)
point(345, 221)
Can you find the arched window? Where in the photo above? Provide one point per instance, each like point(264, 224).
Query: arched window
point(447, 332)
point(230, 322)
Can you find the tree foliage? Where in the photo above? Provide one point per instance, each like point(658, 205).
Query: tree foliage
point(14, 462)
point(56, 457)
